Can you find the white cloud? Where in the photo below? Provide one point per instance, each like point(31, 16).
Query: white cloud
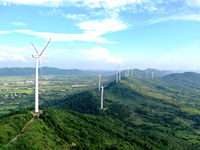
point(89, 3)
point(111, 3)
point(75, 16)
point(5, 32)
point(15, 49)
point(18, 57)
point(19, 24)
point(92, 31)
point(63, 14)
point(3, 54)
point(48, 3)
point(2, 59)
point(102, 27)
point(99, 53)
point(194, 3)
point(191, 17)
point(14, 57)
point(64, 37)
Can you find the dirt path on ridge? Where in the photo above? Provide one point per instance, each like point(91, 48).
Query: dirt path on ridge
point(22, 130)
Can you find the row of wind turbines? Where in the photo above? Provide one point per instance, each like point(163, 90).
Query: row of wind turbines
point(101, 87)
point(118, 77)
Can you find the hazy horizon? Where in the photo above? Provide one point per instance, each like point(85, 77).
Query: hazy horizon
point(99, 70)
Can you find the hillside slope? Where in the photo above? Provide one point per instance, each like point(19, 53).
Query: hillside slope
point(59, 129)
point(139, 114)
point(153, 108)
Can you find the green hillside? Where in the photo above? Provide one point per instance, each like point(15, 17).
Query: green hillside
point(144, 73)
point(59, 129)
point(139, 114)
point(156, 108)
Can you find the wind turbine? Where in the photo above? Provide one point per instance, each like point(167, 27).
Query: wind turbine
point(152, 75)
point(99, 82)
point(117, 76)
point(132, 73)
point(146, 73)
point(128, 72)
point(102, 88)
point(119, 73)
point(38, 57)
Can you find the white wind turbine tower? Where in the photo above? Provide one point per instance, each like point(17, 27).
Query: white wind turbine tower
point(117, 75)
point(132, 73)
point(146, 73)
point(37, 57)
point(128, 72)
point(102, 88)
point(152, 75)
point(119, 72)
point(99, 82)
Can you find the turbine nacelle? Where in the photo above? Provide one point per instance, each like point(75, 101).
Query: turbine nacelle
point(35, 56)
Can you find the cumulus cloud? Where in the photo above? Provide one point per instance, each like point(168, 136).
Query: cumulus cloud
point(99, 53)
point(5, 32)
point(104, 26)
point(11, 57)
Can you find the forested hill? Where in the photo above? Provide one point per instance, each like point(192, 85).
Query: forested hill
point(183, 80)
point(146, 73)
point(193, 77)
point(64, 129)
point(138, 113)
point(45, 71)
point(155, 109)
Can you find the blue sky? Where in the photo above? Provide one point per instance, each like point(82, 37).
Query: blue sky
point(101, 34)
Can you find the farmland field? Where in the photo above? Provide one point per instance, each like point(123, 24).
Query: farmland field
point(17, 92)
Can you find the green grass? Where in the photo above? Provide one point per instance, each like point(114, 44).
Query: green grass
point(31, 91)
point(7, 107)
point(4, 112)
point(16, 78)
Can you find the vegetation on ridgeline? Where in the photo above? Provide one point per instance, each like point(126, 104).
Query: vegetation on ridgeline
point(139, 113)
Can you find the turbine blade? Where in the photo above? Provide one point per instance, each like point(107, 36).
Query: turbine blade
point(34, 48)
point(40, 65)
point(45, 47)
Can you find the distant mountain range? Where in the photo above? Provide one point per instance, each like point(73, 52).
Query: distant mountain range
point(56, 71)
point(45, 71)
